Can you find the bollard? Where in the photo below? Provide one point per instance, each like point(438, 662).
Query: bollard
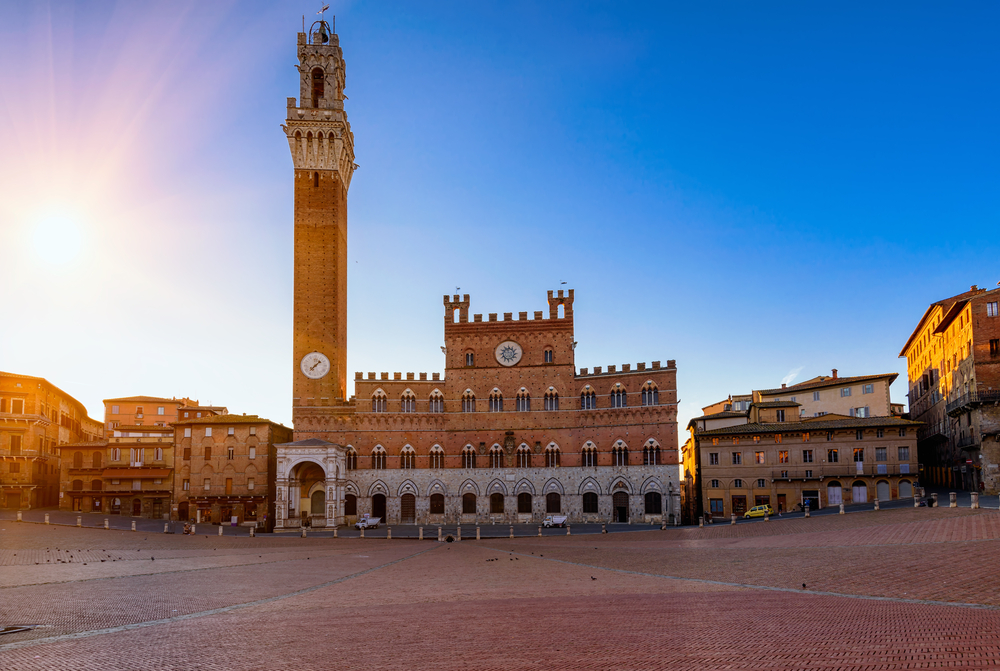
point(807, 511)
point(512, 532)
point(252, 532)
point(953, 503)
point(701, 522)
point(106, 523)
point(362, 533)
point(539, 531)
point(732, 519)
point(193, 530)
point(766, 518)
point(458, 533)
point(841, 508)
point(477, 532)
point(934, 501)
point(567, 530)
point(79, 521)
point(975, 500)
point(303, 532)
point(19, 516)
point(220, 529)
point(166, 527)
point(916, 502)
point(420, 537)
point(604, 528)
point(876, 504)
point(133, 525)
point(335, 532)
point(388, 533)
point(47, 520)
point(439, 534)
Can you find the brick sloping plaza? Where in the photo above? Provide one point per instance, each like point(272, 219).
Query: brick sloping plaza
point(895, 589)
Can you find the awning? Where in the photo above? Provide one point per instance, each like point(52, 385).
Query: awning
point(136, 473)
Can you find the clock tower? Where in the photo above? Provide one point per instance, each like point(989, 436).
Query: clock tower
point(322, 146)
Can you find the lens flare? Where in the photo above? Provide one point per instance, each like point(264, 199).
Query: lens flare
point(57, 239)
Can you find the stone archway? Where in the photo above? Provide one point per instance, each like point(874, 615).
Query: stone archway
point(306, 490)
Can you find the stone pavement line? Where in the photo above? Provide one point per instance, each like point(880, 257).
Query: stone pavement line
point(766, 588)
point(204, 613)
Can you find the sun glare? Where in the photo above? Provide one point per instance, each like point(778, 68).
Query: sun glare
point(57, 239)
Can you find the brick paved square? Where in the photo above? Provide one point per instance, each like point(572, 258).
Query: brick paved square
point(888, 590)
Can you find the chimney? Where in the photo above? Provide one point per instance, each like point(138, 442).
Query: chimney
point(974, 287)
point(782, 385)
point(834, 373)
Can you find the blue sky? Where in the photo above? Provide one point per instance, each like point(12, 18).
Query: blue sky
point(750, 189)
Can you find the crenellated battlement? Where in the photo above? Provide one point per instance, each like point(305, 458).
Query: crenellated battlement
point(461, 304)
point(627, 368)
point(453, 303)
point(559, 300)
point(358, 375)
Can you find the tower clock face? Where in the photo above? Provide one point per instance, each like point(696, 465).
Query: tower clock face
point(508, 353)
point(315, 365)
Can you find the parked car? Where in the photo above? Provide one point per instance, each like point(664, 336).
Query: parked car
point(758, 511)
point(554, 521)
point(368, 523)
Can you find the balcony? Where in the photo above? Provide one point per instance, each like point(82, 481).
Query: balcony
point(972, 400)
point(969, 443)
point(843, 471)
point(931, 433)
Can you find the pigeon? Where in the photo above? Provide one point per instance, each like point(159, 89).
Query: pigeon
point(803, 586)
point(593, 578)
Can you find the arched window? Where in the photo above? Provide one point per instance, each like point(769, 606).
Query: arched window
point(468, 457)
point(619, 398)
point(654, 503)
point(352, 459)
point(551, 399)
point(407, 457)
point(408, 402)
point(548, 355)
point(77, 485)
point(116, 454)
point(523, 401)
point(523, 457)
point(524, 502)
point(378, 401)
point(551, 456)
point(553, 502)
point(437, 457)
point(496, 503)
point(650, 394)
point(590, 502)
point(496, 457)
point(468, 402)
point(318, 86)
point(350, 504)
point(496, 401)
point(619, 454)
point(97, 459)
point(315, 177)
point(78, 460)
point(437, 504)
point(651, 454)
point(378, 458)
point(588, 399)
point(589, 455)
point(158, 453)
point(469, 504)
point(436, 403)
point(97, 485)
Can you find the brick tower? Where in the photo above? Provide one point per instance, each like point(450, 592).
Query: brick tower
point(322, 146)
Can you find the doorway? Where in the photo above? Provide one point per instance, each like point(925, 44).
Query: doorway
point(378, 506)
point(136, 507)
point(739, 504)
point(834, 494)
point(407, 509)
point(782, 503)
point(317, 503)
point(905, 489)
point(182, 511)
point(859, 492)
point(882, 492)
point(13, 500)
point(619, 503)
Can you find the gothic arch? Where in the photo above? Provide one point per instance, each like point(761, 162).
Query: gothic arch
point(436, 486)
point(496, 487)
point(590, 484)
point(651, 484)
point(524, 486)
point(350, 487)
point(553, 485)
point(407, 487)
point(620, 484)
point(469, 486)
point(378, 487)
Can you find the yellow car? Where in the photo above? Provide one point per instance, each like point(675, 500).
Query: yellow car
point(758, 511)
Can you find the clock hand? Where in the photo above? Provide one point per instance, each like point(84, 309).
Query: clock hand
point(313, 367)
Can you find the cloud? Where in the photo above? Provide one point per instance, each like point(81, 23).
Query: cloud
point(792, 374)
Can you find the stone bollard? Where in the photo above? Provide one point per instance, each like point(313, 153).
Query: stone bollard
point(193, 530)
point(512, 532)
point(420, 534)
point(133, 525)
point(335, 532)
point(604, 528)
point(539, 531)
point(807, 511)
point(477, 532)
point(732, 519)
point(303, 532)
point(766, 518)
point(975, 500)
point(952, 502)
point(79, 521)
point(567, 530)
point(19, 516)
point(934, 501)
point(252, 532)
point(362, 533)
point(916, 501)
point(166, 527)
point(458, 533)
point(876, 504)
point(47, 520)
point(388, 533)
point(841, 508)
point(701, 522)
point(220, 529)
point(439, 534)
